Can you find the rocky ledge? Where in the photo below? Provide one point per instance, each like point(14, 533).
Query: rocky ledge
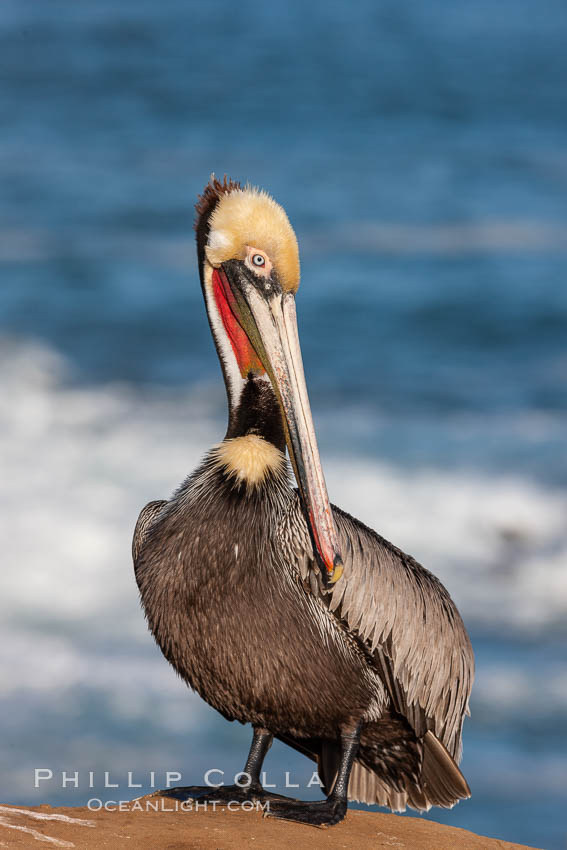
point(158, 823)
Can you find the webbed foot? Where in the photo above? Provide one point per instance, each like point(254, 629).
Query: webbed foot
point(320, 813)
point(220, 794)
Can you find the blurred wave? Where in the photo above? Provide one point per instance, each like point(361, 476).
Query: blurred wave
point(443, 240)
point(94, 455)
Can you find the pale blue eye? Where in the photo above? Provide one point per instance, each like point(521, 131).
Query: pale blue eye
point(258, 260)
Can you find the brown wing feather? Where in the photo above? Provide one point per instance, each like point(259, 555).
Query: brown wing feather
point(412, 628)
point(407, 621)
point(144, 521)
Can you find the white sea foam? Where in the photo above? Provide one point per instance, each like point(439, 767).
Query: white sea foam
point(499, 543)
point(78, 463)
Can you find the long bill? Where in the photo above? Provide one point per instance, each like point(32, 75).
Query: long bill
point(273, 333)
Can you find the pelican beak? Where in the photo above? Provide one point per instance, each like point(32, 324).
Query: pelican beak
point(267, 314)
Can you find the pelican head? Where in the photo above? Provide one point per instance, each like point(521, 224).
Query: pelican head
point(249, 266)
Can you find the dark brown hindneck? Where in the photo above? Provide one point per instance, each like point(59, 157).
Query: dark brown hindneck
point(258, 412)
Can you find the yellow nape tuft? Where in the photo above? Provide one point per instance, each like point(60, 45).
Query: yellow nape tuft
point(249, 459)
point(250, 217)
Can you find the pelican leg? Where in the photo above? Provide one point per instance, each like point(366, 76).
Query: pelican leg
point(327, 812)
point(249, 789)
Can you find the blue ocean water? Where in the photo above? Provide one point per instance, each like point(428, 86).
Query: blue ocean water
point(421, 153)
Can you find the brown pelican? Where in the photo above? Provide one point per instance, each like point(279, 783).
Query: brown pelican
point(279, 609)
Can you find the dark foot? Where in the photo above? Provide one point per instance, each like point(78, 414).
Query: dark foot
point(221, 794)
point(320, 813)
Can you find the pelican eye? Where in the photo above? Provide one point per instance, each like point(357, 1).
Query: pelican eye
point(258, 261)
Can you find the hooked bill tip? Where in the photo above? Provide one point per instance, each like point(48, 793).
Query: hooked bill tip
point(336, 573)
